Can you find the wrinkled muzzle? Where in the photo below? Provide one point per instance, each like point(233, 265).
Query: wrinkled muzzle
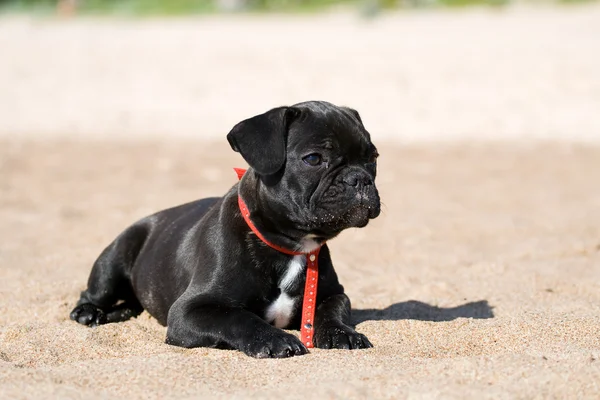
point(350, 201)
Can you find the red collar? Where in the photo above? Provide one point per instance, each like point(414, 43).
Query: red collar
point(312, 273)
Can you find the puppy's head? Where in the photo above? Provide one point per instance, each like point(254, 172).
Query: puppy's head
point(316, 166)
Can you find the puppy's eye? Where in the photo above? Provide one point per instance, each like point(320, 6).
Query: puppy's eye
point(313, 159)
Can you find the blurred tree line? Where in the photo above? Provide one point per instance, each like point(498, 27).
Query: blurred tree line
point(203, 6)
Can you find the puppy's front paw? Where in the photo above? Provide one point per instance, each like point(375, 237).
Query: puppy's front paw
point(340, 337)
point(275, 345)
point(88, 314)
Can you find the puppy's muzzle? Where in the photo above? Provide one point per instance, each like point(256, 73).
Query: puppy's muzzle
point(359, 185)
point(358, 180)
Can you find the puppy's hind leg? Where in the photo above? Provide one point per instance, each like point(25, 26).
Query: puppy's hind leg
point(109, 296)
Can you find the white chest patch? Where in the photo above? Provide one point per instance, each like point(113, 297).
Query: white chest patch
point(280, 311)
point(293, 272)
point(309, 244)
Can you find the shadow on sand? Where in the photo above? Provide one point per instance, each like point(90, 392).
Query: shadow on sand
point(420, 311)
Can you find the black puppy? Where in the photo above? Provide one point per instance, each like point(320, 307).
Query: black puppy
point(200, 270)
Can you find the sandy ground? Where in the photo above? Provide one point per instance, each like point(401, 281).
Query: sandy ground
point(481, 278)
point(514, 73)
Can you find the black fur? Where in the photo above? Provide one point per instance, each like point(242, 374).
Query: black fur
point(199, 270)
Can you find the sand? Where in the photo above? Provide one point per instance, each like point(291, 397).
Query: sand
point(481, 278)
point(414, 76)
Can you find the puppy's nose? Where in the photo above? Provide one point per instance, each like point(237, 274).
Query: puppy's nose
point(357, 178)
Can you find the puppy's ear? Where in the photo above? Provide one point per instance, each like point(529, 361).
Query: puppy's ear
point(262, 139)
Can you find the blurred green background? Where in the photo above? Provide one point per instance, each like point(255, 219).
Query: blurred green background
point(183, 7)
